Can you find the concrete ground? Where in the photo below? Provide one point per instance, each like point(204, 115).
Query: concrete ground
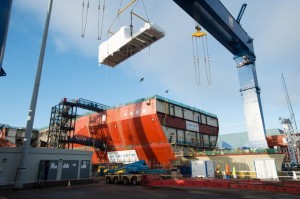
point(101, 190)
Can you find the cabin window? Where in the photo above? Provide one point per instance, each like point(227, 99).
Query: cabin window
point(200, 139)
point(205, 140)
point(170, 134)
point(180, 136)
point(178, 111)
point(203, 119)
point(196, 117)
point(188, 114)
point(212, 121)
point(190, 138)
point(172, 112)
point(162, 106)
point(212, 140)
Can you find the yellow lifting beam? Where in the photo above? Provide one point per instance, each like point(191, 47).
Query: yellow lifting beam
point(132, 2)
point(138, 16)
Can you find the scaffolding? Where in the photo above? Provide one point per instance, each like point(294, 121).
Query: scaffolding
point(62, 124)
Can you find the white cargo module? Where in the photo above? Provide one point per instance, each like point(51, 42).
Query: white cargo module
point(123, 44)
point(202, 169)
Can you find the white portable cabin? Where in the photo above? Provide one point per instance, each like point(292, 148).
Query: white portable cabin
point(202, 169)
point(124, 44)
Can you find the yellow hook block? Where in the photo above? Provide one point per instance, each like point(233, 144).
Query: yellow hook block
point(198, 32)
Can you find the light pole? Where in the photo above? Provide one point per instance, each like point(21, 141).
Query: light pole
point(21, 170)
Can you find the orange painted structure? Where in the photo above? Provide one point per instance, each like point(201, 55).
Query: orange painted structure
point(154, 127)
point(280, 142)
point(277, 140)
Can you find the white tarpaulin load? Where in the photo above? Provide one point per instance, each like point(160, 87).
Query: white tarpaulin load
point(123, 44)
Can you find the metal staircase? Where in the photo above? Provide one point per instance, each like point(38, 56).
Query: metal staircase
point(62, 124)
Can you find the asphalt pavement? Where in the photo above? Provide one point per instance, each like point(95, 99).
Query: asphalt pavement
point(101, 190)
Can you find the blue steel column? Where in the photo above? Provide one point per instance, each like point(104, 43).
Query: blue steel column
point(216, 19)
point(250, 92)
point(5, 10)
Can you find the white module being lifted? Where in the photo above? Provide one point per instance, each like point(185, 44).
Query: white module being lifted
point(123, 44)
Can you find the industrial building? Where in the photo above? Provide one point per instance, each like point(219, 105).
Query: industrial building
point(156, 128)
point(44, 165)
point(15, 136)
point(240, 139)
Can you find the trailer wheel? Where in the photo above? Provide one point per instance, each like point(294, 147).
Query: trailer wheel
point(116, 181)
point(108, 180)
point(134, 181)
point(125, 180)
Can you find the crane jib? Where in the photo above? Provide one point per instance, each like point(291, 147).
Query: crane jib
point(215, 18)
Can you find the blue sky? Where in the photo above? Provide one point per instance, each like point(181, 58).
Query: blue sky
point(71, 65)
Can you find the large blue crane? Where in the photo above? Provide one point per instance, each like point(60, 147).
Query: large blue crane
point(5, 8)
point(216, 19)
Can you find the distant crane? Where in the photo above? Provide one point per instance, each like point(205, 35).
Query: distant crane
point(290, 128)
point(292, 115)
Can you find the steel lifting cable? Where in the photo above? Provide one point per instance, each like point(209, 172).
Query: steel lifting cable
point(206, 59)
point(82, 13)
point(87, 11)
point(103, 9)
point(196, 60)
point(118, 14)
point(148, 20)
point(135, 5)
point(109, 32)
point(145, 10)
point(109, 29)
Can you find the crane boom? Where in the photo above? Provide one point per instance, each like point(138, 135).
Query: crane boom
point(215, 18)
point(288, 101)
point(5, 9)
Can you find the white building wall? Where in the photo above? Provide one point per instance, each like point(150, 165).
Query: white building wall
point(10, 157)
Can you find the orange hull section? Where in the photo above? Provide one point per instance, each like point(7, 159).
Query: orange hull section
point(132, 127)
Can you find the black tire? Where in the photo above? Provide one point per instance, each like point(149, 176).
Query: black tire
point(125, 180)
point(134, 181)
point(116, 181)
point(108, 180)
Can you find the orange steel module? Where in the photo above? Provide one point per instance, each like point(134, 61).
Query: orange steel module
point(141, 126)
point(276, 140)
